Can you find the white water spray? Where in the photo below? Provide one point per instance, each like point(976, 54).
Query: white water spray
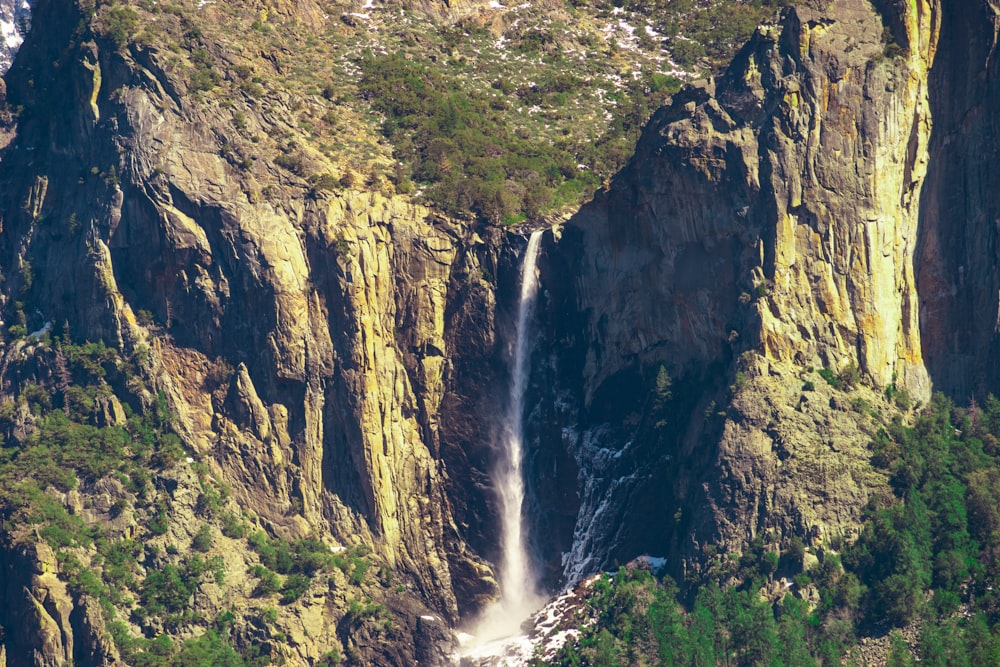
point(519, 596)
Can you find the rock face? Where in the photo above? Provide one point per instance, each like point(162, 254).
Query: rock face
point(312, 346)
point(798, 181)
point(957, 274)
point(767, 223)
point(43, 631)
point(334, 358)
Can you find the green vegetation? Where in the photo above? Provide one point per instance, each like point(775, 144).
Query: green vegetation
point(169, 590)
point(900, 397)
point(203, 539)
point(58, 440)
point(507, 119)
point(295, 587)
point(300, 561)
point(505, 123)
point(329, 659)
point(703, 32)
point(830, 376)
point(211, 649)
point(467, 148)
point(846, 378)
point(928, 553)
point(65, 448)
point(849, 376)
point(120, 22)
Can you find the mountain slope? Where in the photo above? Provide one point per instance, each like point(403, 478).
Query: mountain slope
point(297, 272)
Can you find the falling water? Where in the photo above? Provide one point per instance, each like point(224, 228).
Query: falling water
point(519, 596)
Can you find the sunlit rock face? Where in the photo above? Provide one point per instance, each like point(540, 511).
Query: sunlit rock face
point(337, 323)
point(824, 204)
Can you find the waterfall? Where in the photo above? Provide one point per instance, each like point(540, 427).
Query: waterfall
point(519, 596)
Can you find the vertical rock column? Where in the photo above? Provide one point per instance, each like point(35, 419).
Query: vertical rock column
point(843, 158)
point(959, 252)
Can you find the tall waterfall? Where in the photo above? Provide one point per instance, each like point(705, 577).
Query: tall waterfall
point(519, 596)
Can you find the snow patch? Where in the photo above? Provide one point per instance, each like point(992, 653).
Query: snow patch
point(546, 631)
point(11, 37)
point(655, 563)
point(15, 21)
point(47, 327)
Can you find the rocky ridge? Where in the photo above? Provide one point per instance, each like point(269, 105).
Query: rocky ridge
point(766, 225)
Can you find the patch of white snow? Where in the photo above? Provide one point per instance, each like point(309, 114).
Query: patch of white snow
point(47, 327)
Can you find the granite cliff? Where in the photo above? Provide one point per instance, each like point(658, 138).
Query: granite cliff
point(304, 342)
point(329, 353)
point(767, 225)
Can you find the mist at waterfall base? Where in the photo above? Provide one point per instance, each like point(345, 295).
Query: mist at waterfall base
point(519, 595)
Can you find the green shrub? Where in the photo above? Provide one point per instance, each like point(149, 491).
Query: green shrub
point(325, 182)
point(861, 405)
point(769, 562)
point(275, 554)
point(359, 567)
point(233, 526)
point(169, 451)
point(330, 659)
point(741, 381)
point(468, 153)
point(830, 377)
point(119, 23)
point(145, 317)
point(204, 77)
point(212, 498)
point(208, 649)
point(267, 582)
point(159, 525)
point(849, 376)
point(203, 539)
point(295, 587)
point(168, 590)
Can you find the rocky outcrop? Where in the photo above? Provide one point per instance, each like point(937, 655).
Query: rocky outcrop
point(331, 351)
point(37, 610)
point(306, 341)
point(767, 223)
point(794, 185)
